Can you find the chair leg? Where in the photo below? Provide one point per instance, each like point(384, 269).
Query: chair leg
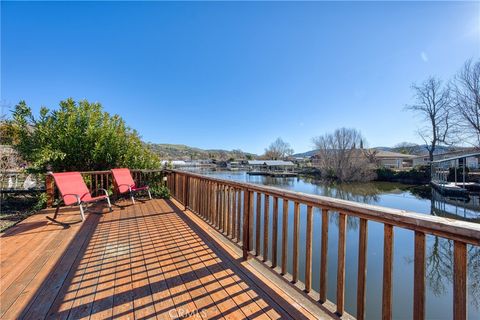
point(149, 195)
point(109, 204)
point(82, 212)
point(131, 197)
point(56, 210)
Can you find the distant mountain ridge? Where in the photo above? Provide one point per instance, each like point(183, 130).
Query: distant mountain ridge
point(413, 150)
point(168, 151)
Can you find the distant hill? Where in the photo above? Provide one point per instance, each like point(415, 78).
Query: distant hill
point(420, 149)
point(182, 152)
point(414, 150)
point(305, 154)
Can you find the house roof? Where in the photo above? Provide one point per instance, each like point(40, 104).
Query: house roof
point(382, 154)
point(174, 162)
point(255, 162)
point(272, 163)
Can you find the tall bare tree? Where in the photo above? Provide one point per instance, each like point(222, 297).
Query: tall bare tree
point(339, 157)
point(278, 149)
point(466, 106)
point(432, 104)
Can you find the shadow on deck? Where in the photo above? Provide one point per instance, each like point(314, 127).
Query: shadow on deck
point(151, 260)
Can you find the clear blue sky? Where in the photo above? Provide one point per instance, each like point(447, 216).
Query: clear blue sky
point(237, 75)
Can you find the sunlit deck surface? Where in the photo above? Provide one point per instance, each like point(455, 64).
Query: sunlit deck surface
point(149, 260)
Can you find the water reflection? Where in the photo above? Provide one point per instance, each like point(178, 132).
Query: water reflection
point(439, 269)
point(439, 254)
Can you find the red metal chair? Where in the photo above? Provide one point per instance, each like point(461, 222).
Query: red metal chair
point(123, 182)
point(74, 191)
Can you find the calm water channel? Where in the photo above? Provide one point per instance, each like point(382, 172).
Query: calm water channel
point(439, 250)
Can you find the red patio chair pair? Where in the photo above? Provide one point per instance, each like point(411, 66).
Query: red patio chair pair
point(74, 191)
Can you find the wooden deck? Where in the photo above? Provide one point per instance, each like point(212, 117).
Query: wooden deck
point(151, 260)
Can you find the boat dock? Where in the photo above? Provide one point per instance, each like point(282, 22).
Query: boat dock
point(277, 174)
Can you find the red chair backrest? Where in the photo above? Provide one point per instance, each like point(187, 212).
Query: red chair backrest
point(69, 183)
point(123, 179)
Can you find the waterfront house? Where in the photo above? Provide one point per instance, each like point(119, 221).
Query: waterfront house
point(270, 165)
point(472, 161)
point(393, 160)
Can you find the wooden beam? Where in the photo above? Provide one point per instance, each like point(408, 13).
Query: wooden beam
point(387, 272)
point(266, 222)
point(275, 232)
point(342, 230)
point(296, 236)
point(258, 224)
point(324, 257)
point(419, 277)
point(460, 281)
point(284, 236)
point(308, 250)
point(362, 269)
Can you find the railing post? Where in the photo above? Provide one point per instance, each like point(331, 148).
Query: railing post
point(185, 188)
point(459, 280)
point(49, 188)
point(247, 202)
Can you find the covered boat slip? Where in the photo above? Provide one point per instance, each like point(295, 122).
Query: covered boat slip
point(440, 172)
point(144, 261)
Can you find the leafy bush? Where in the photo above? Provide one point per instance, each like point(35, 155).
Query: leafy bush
point(160, 191)
point(415, 175)
point(78, 136)
point(41, 202)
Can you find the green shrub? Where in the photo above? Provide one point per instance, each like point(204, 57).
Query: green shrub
point(41, 202)
point(160, 191)
point(420, 175)
point(78, 137)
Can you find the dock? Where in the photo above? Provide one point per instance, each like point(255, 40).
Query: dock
point(449, 189)
point(276, 174)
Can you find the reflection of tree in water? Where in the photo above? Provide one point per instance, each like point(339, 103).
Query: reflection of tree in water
point(277, 181)
point(271, 181)
point(474, 274)
point(352, 222)
point(439, 265)
point(439, 268)
point(359, 192)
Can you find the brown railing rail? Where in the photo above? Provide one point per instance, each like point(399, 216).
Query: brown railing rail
point(99, 179)
point(235, 209)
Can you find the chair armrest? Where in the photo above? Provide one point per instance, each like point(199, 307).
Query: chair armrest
point(100, 189)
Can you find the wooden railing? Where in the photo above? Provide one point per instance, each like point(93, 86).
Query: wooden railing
point(235, 209)
point(100, 179)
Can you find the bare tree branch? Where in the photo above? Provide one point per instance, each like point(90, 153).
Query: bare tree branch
point(433, 102)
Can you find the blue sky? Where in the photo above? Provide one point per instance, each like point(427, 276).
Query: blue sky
point(237, 75)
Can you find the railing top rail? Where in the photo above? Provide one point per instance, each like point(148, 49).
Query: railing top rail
point(108, 171)
point(464, 231)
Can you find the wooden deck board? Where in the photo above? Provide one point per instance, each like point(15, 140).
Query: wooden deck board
point(146, 261)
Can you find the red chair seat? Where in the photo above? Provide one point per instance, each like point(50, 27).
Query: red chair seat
point(139, 188)
point(89, 198)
